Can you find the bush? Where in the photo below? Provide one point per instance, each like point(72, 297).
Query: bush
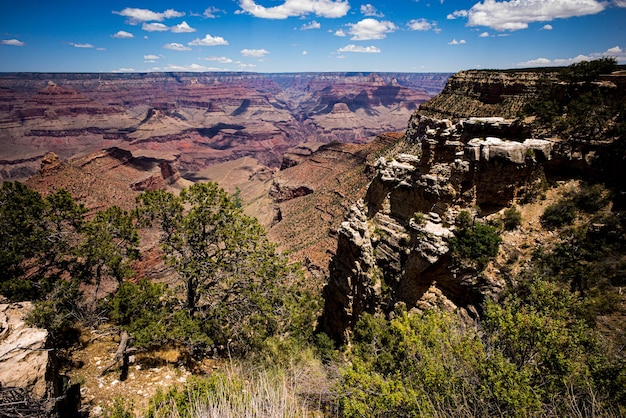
point(476, 243)
point(512, 218)
point(558, 214)
point(533, 356)
point(590, 198)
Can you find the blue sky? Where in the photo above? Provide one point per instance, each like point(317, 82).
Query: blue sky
point(306, 35)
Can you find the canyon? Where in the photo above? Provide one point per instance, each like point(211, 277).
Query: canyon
point(360, 177)
point(197, 120)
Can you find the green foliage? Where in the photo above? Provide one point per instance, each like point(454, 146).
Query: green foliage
point(475, 243)
point(558, 214)
point(425, 365)
point(121, 408)
point(590, 198)
point(110, 245)
point(238, 290)
point(587, 71)
point(532, 357)
point(537, 329)
point(578, 107)
point(512, 218)
point(58, 311)
point(38, 236)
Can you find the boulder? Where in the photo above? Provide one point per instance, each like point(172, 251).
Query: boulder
point(25, 360)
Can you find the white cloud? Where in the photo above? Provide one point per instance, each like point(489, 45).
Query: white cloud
point(312, 25)
point(182, 28)
point(221, 60)
point(256, 53)
point(154, 27)
point(368, 29)
point(208, 40)
point(617, 52)
point(211, 12)
point(517, 14)
point(135, 15)
point(191, 68)
point(370, 10)
point(124, 70)
point(422, 25)
point(364, 49)
point(455, 42)
point(12, 42)
point(81, 45)
point(290, 8)
point(484, 35)
point(122, 34)
point(547, 27)
point(620, 3)
point(305, 53)
point(340, 33)
point(151, 57)
point(176, 47)
point(457, 14)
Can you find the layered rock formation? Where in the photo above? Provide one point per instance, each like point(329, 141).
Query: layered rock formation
point(392, 248)
point(200, 119)
point(468, 148)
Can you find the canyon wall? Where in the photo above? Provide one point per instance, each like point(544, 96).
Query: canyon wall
point(198, 119)
point(469, 149)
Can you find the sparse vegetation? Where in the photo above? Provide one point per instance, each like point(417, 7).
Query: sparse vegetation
point(474, 243)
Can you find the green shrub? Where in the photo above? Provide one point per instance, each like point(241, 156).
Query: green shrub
point(558, 214)
point(512, 218)
point(590, 198)
point(476, 243)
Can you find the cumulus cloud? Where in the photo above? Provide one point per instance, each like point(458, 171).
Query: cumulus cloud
point(221, 60)
point(422, 25)
point(176, 47)
point(456, 14)
point(312, 25)
point(620, 3)
point(517, 14)
point(340, 33)
point(547, 27)
point(368, 29)
point(154, 27)
point(182, 28)
point(122, 34)
point(370, 10)
point(209, 40)
point(255, 53)
point(211, 12)
point(363, 49)
point(151, 57)
point(81, 45)
point(291, 8)
point(484, 35)
point(455, 42)
point(136, 16)
point(617, 52)
point(12, 42)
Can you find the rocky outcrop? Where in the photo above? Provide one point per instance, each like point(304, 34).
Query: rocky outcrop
point(25, 360)
point(393, 246)
point(281, 192)
point(485, 93)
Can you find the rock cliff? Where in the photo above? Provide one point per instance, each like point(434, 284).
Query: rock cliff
point(473, 147)
point(393, 246)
